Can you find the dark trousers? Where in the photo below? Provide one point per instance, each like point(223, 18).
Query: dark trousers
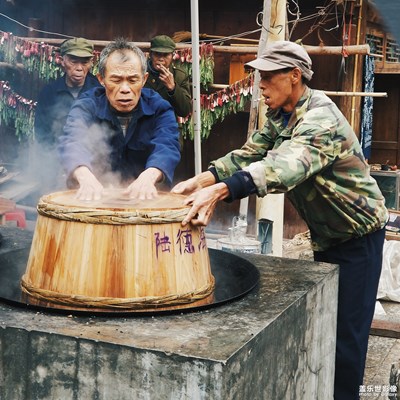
point(360, 262)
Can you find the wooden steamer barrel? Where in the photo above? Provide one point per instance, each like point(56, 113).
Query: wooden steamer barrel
point(117, 253)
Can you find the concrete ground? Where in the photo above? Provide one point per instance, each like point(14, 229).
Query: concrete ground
point(383, 359)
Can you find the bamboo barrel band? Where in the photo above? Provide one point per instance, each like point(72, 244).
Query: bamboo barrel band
point(116, 303)
point(106, 216)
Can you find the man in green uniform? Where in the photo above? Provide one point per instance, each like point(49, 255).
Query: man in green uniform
point(171, 82)
point(308, 150)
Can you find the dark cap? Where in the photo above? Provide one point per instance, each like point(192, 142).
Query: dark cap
point(77, 47)
point(162, 44)
point(284, 54)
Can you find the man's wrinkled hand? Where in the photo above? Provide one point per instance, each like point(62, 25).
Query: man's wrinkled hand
point(89, 187)
point(143, 188)
point(203, 204)
point(167, 78)
point(187, 187)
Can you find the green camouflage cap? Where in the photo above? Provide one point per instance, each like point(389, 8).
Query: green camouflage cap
point(77, 47)
point(162, 44)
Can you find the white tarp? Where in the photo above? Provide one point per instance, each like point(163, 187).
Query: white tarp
point(389, 283)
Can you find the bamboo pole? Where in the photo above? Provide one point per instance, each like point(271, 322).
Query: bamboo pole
point(362, 49)
point(355, 71)
point(327, 92)
point(357, 94)
point(16, 67)
point(271, 207)
point(254, 107)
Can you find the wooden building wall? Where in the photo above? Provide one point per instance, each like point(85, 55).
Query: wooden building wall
point(386, 120)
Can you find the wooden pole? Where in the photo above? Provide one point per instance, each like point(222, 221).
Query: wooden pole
point(252, 125)
point(327, 92)
point(356, 70)
point(362, 49)
point(7, 66)
point(356, 94)
point(256, 90)
point(271, 207)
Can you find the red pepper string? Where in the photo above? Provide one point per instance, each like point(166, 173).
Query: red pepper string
point(215, 106)
point(17, 109)
point(37, 57)
point(183, 57)
point(46, 59)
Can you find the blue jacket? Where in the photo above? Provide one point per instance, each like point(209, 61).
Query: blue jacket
point(54, 103)
point(93, 137)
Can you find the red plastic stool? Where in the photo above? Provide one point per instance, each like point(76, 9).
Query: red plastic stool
point(16, 215)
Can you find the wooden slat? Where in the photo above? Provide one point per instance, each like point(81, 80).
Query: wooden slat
point(390, 144)
point(385, 328)
point(7, 177)
point(17, 191)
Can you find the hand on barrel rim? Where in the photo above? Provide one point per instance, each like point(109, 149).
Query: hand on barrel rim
point(144, 187)
point(89, 187)
point(203, 202)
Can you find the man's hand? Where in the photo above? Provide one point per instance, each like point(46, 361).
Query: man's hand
point(144, 187)
point(194, 184)
point(166, 77)
point(203, 203)
point(187, 187)
point(89, 187)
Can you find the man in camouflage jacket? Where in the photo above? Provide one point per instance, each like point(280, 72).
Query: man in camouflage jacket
point(308, 150)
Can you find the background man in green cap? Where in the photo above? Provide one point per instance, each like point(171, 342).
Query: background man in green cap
point(171, 82)
point(54, 103)
point(56, 98)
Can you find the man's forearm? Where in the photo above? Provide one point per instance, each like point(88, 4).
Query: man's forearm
point(153, 174)
point(205, 179)
point(81, 173)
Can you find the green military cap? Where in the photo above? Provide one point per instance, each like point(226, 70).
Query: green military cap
point(162, 44)
point(78, 47)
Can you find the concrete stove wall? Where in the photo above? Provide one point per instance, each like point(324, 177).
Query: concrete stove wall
point(278, 342)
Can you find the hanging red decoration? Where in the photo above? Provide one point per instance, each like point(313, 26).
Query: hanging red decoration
point(45, 61)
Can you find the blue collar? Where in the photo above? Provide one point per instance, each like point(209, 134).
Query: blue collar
point(286, 117)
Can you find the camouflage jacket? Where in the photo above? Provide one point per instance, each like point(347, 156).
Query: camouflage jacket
point(317, 160)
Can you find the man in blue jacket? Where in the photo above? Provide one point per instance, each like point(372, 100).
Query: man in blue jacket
point(120, 134)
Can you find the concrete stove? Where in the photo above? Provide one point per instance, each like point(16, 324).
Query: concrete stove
point(277, 342)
